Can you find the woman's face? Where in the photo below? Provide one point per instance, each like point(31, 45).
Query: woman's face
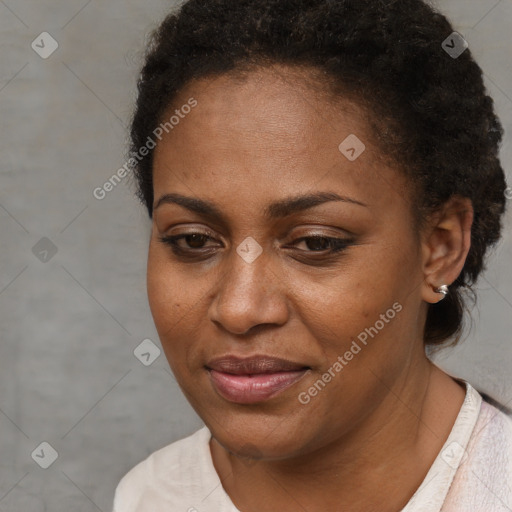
point(253, 282)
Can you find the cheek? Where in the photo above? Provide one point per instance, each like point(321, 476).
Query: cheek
point(169, 297)
point(168, 301)
point(367, 299)
point(178, 300)
point(161, 286)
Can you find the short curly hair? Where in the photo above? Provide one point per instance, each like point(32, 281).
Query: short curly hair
point(429, 111)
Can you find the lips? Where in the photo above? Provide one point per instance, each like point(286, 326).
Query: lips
point(253, 379)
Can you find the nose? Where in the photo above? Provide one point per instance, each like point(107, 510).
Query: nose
point(249, 294)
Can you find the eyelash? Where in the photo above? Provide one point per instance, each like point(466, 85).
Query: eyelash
point(337, 244)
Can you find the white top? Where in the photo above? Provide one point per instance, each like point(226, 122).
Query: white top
point(472, 472)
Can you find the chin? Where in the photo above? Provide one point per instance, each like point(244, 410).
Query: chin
point(257, 435)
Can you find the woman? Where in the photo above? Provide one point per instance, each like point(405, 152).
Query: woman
point(323, 182)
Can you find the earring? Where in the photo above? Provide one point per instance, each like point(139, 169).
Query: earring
point(442, 289)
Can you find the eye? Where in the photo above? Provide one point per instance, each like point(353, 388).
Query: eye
point(192, 241)
point(190, 245)
point(320, 243)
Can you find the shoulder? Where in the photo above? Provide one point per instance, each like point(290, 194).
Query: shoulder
point(483, 480)
point(492, 438)
point(165, 477)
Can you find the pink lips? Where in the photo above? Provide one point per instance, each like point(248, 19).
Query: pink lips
point(253, 379)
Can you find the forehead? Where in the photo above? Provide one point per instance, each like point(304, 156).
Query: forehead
point(270, 133)
point(278, 103)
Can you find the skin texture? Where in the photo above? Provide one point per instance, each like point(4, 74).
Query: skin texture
point(367, 440)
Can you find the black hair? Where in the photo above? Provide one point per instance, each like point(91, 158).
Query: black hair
point(430, 110)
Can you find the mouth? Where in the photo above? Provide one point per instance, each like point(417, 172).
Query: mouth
point(253, 379)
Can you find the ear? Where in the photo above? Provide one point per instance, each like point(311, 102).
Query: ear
point(446, 240)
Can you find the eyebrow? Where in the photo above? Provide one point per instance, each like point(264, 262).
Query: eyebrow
point(275, 210)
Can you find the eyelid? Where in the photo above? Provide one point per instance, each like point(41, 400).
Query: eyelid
point(191, 231)
point(318, 234)
point(337, 245)
point(173, 239)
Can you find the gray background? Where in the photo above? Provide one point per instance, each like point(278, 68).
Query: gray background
point(69, 326)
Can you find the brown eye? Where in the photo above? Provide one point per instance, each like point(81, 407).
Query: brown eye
point(195, 241)
point(317, 243)
point(323, 243)
point(191, 242)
